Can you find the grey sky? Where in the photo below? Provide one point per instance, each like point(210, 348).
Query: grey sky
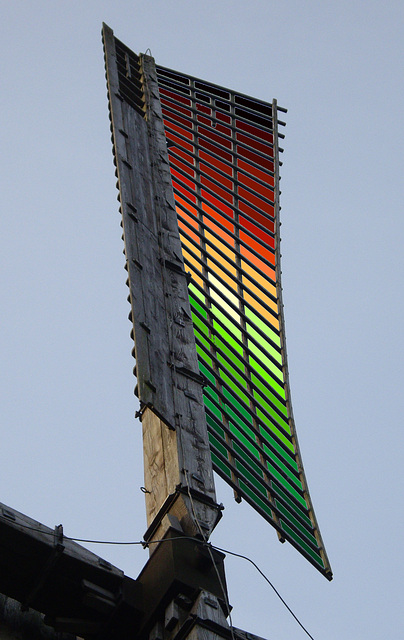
point(71, 449)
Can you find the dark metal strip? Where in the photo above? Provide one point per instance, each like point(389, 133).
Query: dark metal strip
point(197, 95)
point(132, 72)
point(232, 94)
point(126, 49)
point(129, 87)
point(162, 69)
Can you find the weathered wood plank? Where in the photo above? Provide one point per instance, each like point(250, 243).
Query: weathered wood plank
point(131, 200)
point(177, 458)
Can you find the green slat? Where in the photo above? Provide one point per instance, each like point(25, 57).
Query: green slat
point(293, 476)
point(286, 439)
point(214, 410)
point(217, 445)
point(261, 503)
point(295, 522)
point(249, 476)
point(220, 464)
point(285, 484)
point(288, 530)
point(241, 436)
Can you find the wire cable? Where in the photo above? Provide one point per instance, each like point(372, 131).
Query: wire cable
point(208, 545)
point(240, 555)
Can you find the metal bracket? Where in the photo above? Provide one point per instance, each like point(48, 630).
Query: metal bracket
point(188, 373)
point(174, 267)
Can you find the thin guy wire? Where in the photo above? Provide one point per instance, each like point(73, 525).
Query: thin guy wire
point(209, 546)
point(211, 555)
point(239, 555)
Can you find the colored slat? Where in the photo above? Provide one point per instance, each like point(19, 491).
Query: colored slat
point(223, 155)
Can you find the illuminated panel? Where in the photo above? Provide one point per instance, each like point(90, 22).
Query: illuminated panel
point(223, 152)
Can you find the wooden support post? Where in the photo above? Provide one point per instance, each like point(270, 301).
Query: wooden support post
point(168, 484)
point(178, 467)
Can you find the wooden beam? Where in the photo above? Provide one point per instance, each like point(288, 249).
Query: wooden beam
point(178, 467)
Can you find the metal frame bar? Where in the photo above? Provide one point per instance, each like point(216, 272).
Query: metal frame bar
point(232, 94)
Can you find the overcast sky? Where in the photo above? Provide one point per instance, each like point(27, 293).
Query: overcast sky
point(71, 448)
